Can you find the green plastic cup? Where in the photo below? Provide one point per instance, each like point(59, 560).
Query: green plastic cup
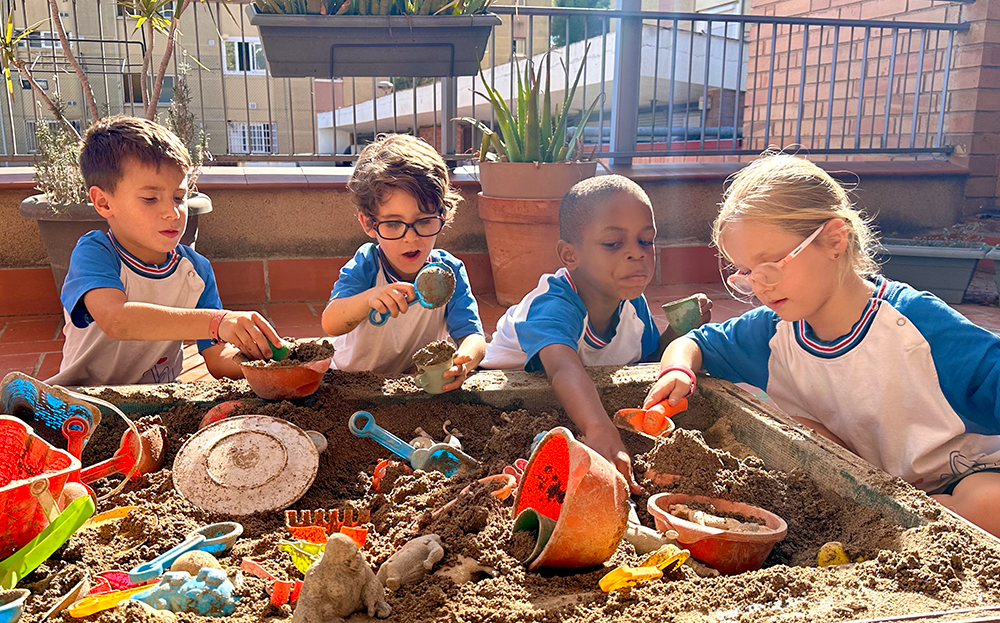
point(683, 315)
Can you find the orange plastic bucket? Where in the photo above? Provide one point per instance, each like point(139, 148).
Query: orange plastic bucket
point(582, 492)
point(286, 382)
point(728, 551)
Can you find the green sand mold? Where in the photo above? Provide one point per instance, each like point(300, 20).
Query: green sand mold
point(683, 315)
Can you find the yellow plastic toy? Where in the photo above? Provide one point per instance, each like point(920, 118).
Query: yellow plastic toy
point(303, 553)
point(651, 568)
point(666, 558)
point(626, 577)
point(96, 603)
point(832, 553)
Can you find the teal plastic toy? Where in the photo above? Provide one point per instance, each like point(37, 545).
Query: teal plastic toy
point(210, 594)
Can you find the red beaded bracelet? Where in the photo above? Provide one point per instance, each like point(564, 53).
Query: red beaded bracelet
point(213, 326)
point(686, 370)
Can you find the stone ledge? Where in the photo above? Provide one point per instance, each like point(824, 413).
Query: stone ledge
point(217, 177)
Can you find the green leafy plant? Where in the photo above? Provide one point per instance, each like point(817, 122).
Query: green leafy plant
point(58, 146)
point(531, 133)
point(373, 7)
point(57, 168)
point(182, 122)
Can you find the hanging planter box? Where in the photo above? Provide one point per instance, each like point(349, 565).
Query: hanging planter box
point(945, 271)
point(343, 46)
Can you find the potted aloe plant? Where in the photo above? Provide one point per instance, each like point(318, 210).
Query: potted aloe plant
point(524, 170)
point(345, 38)
point(62, 210)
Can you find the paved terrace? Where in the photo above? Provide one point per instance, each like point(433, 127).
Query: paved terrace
point(33, 344)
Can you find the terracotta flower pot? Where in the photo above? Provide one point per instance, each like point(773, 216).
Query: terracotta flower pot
point(286, 382)
point(61, 227)
point(519, 206)
point(583, 493)
point(728, 551)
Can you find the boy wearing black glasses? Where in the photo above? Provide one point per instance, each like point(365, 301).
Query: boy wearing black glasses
point(400, 185)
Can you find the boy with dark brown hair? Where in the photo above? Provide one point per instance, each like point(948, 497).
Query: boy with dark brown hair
point(404, 198)
point(133, 294)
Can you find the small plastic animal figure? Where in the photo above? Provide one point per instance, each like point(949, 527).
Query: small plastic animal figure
point(412, 562)
point(210, 594)
point(339, 584)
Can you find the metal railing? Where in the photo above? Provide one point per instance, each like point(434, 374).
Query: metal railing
point(695, 85)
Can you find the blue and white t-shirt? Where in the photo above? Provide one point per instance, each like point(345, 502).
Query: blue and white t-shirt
point(553, 313)
point(90, 357)
point(389, 349)
point(912, 389)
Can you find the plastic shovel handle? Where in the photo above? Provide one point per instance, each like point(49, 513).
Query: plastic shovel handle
point(121, 464)
point(149, 570)
point(362, 424)
point(377, 318)
point(76, 430)
point(96, 603)
point(38, 549)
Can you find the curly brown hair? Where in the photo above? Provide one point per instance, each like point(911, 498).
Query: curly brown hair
point(111, 141)
point(402, 162)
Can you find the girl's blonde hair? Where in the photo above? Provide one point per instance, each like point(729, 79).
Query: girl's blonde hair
point(796, 195)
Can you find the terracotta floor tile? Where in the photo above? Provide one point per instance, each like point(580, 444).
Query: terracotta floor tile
point(288, 314)
point(19, 363)
point(33, 329)
point(17, 348)
point(48, 366)
point(303, 331)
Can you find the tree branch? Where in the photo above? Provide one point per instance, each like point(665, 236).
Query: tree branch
point(165, 61)
point(42, 95)
point(88, 93)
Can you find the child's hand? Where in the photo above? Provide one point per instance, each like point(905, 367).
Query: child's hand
point(392, 298)
point(608, 443)
point(673, 385)
point(458, 371)
point(249, 332)
point(705, 305)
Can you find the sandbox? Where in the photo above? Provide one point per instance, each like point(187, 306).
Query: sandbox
point(915, 557)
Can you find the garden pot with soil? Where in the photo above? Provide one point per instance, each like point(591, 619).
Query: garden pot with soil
point(729, 551)
point(296, 376)
point(942, 267)
point(61, 226)
point(342, 46)
point(519, 206)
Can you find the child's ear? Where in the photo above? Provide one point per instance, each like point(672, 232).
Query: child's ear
point(837, 235)
point(367, 224)
point(567, 254)
point(101, 201)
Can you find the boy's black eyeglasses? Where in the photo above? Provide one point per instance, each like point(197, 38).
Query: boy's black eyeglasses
point(394, 230)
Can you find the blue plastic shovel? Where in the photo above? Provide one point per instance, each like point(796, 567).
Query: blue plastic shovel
point(434, 286)
point(440, 457)
point(213, 538)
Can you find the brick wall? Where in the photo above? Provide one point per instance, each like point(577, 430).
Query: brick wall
point(805, 109)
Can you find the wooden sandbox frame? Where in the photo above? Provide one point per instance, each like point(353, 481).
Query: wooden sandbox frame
point(780, 442)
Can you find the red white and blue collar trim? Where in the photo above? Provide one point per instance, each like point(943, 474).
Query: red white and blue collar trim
point(843, 345)
point(153, 271)
point(589, 335)
point(390, 275)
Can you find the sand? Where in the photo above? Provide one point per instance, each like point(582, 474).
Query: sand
point(939, 566)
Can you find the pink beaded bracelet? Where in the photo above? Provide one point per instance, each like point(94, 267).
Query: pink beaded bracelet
point(686, 370)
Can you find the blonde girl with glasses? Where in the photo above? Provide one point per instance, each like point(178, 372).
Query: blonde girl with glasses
point(892, 374)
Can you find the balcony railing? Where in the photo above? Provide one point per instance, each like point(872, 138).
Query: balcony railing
point(696, 84)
